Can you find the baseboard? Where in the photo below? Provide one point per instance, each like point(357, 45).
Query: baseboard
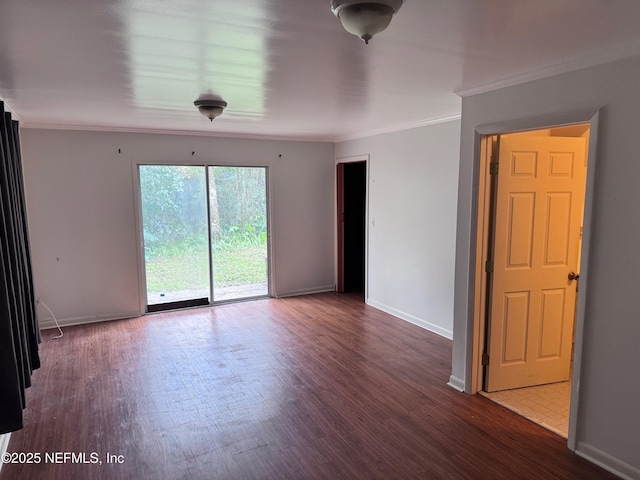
point(411, 319)
point(456, 383)
point(68, 322)
point(4, 445)
point(608, 462)
point(307, 291)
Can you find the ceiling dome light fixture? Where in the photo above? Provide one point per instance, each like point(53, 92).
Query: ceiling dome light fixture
point(365, 18)
point(210, 107)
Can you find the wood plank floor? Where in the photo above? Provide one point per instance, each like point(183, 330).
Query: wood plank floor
point(313, 387)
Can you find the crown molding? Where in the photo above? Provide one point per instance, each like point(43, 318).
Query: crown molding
point(195, 133)
point(397, 128)
point(277, 137)
point(627, 51)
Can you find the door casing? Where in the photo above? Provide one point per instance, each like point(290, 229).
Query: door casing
point(480, 220)
point(142, 281)
point(339, 243)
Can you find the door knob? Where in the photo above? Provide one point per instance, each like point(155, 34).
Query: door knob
point(573, 276)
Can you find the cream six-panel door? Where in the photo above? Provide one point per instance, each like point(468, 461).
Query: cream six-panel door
point(538, 218)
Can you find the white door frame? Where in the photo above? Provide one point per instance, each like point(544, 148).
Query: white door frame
point(475, 339)
point(353, 159)
point(142, 275)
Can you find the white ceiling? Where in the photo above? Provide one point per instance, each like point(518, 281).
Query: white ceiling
point(286, 67)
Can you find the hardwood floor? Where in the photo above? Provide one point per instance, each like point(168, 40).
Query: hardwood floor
point(313, 387)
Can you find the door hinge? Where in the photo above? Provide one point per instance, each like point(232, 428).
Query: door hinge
point(488, 266)
point(493, 168)
point(485, 359)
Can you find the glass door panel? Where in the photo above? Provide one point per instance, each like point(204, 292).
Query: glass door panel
point(238, 213)
point(175, 233)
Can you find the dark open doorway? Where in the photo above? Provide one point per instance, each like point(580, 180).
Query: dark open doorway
point(352, 189)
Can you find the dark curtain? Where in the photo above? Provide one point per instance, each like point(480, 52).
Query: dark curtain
point(19, 331)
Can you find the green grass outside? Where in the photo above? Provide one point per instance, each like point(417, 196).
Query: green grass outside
point(190, 271)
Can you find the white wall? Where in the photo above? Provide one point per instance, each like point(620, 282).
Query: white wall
point(82, 217)
point(608, 423)
point(4, 445)
point(412, 199)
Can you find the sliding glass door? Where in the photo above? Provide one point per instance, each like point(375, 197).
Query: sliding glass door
point(205, 234)
point(238, 206)
point(174, 226)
